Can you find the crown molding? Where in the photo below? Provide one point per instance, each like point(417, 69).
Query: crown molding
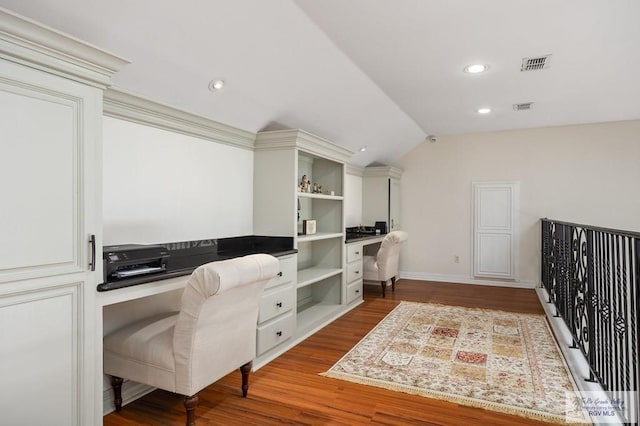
point(304, 141)
point(383, 171)
point(130, 107)
point(355, 170)
point(30, 43)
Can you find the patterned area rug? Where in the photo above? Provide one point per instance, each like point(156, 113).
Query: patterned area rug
point(495, 360)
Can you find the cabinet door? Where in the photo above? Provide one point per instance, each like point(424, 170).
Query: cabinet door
point(41, 351)
point(375, 200)
point(49, 179)
point(47, 173)
point(394, 204)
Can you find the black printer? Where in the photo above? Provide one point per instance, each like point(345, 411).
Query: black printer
point(127, 264)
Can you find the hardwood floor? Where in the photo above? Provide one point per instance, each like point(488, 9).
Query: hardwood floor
point(289, 390)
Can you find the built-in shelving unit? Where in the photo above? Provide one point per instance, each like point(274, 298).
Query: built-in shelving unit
point(320, 265)
point(320, 196)
point(310, 276)
point(281, 159)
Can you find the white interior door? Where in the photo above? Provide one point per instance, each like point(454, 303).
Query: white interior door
point(495, 229)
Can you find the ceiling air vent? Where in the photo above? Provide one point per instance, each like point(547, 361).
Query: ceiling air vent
point(536, 63)
point(523, 106)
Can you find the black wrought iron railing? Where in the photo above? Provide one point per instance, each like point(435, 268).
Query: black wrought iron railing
point(592, 276)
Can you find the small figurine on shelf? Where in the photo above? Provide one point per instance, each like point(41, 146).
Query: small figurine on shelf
point(317, 188)
point(304, 184)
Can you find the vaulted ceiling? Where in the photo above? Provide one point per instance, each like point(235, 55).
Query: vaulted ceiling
point(377, 73)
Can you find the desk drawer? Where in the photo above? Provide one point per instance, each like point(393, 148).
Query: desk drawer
point(354, 271)
point(276, 303)
point(354, 291)
point(288, 270)
point(354, 252)
point(276, 333)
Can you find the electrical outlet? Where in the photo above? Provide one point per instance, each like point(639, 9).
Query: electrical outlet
point(456, 258)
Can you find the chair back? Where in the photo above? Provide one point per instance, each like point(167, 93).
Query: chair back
point(215, 332)
point(388, 257)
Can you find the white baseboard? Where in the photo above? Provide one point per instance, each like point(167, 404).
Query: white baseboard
point(130, 392)
point(461, 279)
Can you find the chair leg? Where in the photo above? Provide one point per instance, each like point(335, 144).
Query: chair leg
point(190, 404)
point(384, 287)
point(245, 370)
point(116, 384)
point(393, 284)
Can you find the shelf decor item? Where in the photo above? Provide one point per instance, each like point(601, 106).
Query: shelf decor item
point(308, 227)
point(304, 185)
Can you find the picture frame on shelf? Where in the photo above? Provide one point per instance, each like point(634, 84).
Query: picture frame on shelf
point(308, 227)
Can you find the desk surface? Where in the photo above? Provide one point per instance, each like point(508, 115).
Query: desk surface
point(124, 294)
point(365, 239)
point(141, 290)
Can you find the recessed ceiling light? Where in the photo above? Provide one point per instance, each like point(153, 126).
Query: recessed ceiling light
point(483, 110)
point(215, 85)
point(363, 149)
point(476, 68)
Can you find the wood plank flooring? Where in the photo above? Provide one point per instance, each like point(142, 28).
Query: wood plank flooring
point(289, 390)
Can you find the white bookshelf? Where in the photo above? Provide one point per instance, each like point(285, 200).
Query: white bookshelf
point(310, 276)
point(320, 196)
point(281, 159)
point(313, 314)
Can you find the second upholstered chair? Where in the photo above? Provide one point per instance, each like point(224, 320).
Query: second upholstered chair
point(384, 266)
point(213, 334)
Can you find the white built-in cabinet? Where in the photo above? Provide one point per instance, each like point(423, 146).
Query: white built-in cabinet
point(276, 317)
point(355, 271)
point(281, 158)
point(50, 131)
point(381, 196)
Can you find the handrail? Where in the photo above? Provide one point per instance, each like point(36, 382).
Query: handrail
point(624, 233)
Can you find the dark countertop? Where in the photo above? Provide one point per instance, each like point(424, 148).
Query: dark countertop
point(353, 238)
point(231, 255)
point(185, 256)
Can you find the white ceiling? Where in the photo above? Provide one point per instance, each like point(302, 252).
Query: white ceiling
point(380, 73)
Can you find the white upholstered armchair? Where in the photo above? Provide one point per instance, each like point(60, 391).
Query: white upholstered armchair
point(213, 334)
point(384, 265)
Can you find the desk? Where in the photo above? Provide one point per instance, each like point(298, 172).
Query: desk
point(152, 288)
point(118, 307)
point(365, 240)
point(354, 255)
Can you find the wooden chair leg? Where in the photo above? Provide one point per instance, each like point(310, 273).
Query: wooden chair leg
point(245, 370)
point(190, 404)
point(393, 284)
point(384, 288)
point(116, 384)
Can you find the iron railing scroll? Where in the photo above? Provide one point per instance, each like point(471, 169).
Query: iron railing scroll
point(592, 277)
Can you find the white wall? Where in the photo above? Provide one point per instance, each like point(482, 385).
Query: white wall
point(585, 174)
point(161, 186)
